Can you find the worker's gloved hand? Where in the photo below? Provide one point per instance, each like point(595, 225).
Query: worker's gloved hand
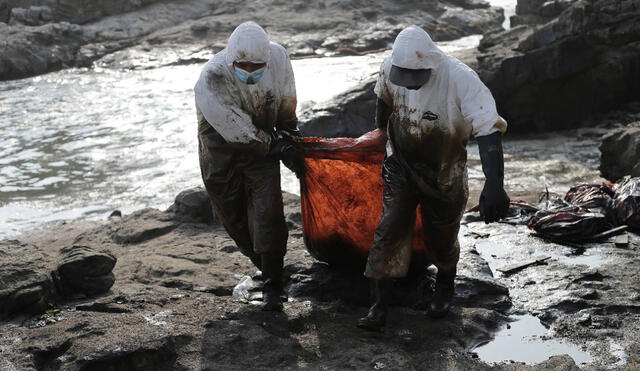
point(290, 128)
point(494, 202)
point(283, 147)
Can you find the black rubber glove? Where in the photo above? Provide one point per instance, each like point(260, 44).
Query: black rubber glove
point(494, 202)
point(291, 128)
point(284, 148)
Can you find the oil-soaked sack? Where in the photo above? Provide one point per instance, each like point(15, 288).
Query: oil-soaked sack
point(341, 197)
point(626, 204)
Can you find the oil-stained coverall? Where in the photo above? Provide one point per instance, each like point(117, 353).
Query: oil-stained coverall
point(428, 125)
point(236, 126)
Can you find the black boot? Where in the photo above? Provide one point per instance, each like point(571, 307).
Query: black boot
point(377, 316)
point(272, 276)
point(443, 295)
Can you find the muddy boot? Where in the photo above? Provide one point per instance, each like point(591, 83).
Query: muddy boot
point(443, 295)
point(377, 316)
point(272, 276)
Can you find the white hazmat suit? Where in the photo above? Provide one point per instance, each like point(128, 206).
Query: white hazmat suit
point(236, 122)
point(428, 129)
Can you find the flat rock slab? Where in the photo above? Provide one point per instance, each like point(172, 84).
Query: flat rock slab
point(142, 226)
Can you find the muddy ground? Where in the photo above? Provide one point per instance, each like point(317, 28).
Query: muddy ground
point(172, 307)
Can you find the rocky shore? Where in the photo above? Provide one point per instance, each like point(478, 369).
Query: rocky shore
point(169, 290)
point(176, 303)
point(555, 75)
point(46, 35)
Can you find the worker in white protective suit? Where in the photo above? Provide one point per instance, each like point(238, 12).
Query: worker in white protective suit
point(246, 107)
point(430, 104)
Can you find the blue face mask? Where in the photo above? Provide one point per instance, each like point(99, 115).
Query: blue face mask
point(249, 77)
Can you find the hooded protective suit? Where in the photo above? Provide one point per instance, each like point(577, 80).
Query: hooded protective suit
point(235, 123)
point(426, 153)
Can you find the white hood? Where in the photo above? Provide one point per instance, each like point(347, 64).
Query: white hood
point(230, 106)
point(414, 49)
point(248, 43)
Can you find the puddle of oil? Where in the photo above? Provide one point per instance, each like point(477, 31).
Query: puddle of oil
point(525, 340)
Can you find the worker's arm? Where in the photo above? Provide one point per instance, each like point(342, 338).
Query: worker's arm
point(384, 103)
point(287, 118)
point(494, 202)
point(226, 116)
point(479, 110)
point(383, 112)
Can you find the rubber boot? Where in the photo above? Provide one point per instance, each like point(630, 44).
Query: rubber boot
point(272, 275)
point(377, 316)
point(443, 295)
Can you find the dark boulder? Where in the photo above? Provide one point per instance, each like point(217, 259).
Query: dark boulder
point(84, 270)
point(30, 51)
point(193, 205)
point(32, 16)
point(350, 114)
point(73, 11)
point(25, 284)
point(538, 11)
point(552, 77)
point(620, 152)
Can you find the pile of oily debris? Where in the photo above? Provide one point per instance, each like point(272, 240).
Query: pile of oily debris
point(587, 213)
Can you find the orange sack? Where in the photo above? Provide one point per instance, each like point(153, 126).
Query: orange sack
point(341, 199)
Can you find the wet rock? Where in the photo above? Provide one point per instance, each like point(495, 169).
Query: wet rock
point(562, 362)
point(193, 205)
point(350, 114)
point(482, 293)
point(587, 294)
point(324, 283)
point(552, 77)
point(477, 21)
point(620, 151)
point(256, 335)
point(25, 284)
point(72, 11)
point(83, 270)
point(32, 16)
point(471, 4)
point(31, 51)
point(160, 356)
point(102, 307)
point(538, 11)
point(153, 33)
point(590, 275)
